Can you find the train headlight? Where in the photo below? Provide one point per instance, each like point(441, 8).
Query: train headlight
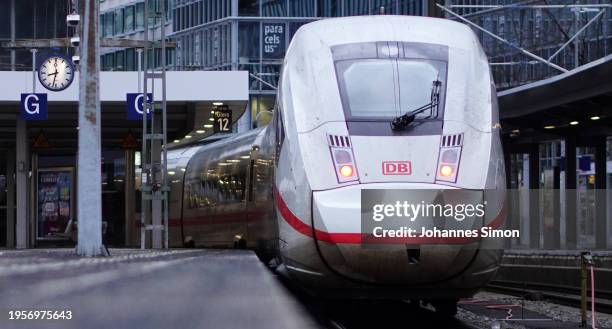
point(347, 171)
point(342, 158)
point(449, 158)
point(446, 170)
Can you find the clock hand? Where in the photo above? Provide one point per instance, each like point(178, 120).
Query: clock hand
point(54, 73)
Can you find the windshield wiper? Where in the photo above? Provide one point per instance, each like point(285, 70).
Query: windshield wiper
point(403, 121)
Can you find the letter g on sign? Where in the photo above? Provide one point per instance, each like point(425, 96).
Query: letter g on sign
point(33, 107)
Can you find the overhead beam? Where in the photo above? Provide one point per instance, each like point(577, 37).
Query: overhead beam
point(65, 42)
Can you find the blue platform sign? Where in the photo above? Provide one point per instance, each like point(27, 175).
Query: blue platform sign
point(33, 107)
point(134, 105)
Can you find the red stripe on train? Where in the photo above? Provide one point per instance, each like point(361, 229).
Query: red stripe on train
point(357, 238)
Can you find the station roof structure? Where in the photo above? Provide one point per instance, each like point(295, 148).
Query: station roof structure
point(191, 96)
point(575, 103)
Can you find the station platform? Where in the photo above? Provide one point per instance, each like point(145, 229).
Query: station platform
point(146, 289)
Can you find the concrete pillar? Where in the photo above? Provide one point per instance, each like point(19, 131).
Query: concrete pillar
point(534, 197)
point(21, 182)
point(601, 222)
point(89, 176)
point(10, 199)
point(570, 194)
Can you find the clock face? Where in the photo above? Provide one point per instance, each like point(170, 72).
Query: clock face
point(56, 73)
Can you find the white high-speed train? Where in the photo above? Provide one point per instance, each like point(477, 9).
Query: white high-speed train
point(354, 94)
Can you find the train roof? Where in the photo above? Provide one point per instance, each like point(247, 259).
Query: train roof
point(330, 32)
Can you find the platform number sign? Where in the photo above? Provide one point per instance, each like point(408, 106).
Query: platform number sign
point(223, 120)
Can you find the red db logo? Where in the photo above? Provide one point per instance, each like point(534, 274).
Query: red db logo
point(397, 168)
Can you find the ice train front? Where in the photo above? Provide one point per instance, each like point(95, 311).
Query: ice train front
point(383, 102)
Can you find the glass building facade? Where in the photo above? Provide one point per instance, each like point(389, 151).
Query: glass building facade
point(540, 30)
point(250, 35)
point(253, 35)
point(41, 19)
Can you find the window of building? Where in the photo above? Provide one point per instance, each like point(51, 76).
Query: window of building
point(389, 7)
point(301, 8)
point(101, 27)
point(274, 8)
point(248, 42)
point(194, 13)
point(353, 8)
point(128, 18)
point(248, 8)
point(119, 21)
point(139, 16)
point(130, 60)
point(109, 23)
point(120, 60)
point(328, 8)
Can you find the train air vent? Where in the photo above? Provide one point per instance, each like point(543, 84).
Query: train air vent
point(452, 140)
point(338, 141)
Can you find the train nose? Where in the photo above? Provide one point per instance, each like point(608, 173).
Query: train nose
point(339, 234)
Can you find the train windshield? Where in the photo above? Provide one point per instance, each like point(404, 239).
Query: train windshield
point(386, 88)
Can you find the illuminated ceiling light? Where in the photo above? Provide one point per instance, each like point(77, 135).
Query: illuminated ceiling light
point(171, 173)
point(516, 131)
point(595, 117)
point(549, 127)
point(187, 136)
point(217, 103)
point(200, 131)
point(212, 112)
point(177, 141)
point(183, 169)
point(208, 126)
point(233, 161)
point(573, 123)
point(245, 156)
point(446, 170)
point(211, 119)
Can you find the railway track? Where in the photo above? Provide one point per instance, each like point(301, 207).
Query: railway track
point(564, 295)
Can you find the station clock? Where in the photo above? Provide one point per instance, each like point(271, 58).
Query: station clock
point(56, 72)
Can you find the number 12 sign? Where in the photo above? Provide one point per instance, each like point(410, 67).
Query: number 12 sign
point(223, 120)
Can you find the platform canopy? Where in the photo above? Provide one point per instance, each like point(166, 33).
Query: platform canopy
point(545, 109)
point(190, 98)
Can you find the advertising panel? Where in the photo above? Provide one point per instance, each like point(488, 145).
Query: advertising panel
point(54, 201)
